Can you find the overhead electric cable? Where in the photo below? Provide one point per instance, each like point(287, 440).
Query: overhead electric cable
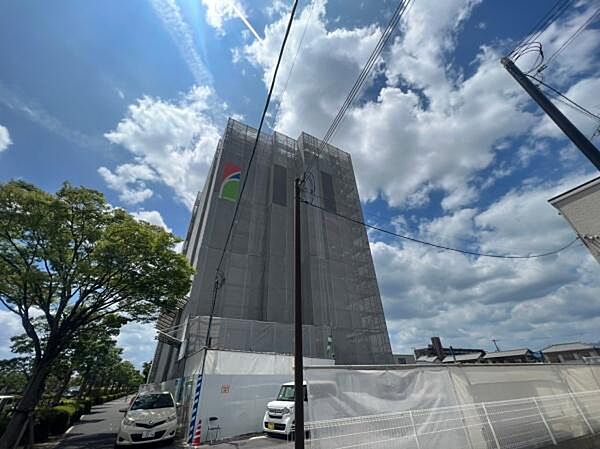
point(556, 11)
point(561, 95)
point(442, 247)
point(570, 39)
point(289, 75)
point(219, 278)
point(373, 58)
point(262, 119)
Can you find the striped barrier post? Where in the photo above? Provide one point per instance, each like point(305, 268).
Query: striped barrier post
point(195, 424)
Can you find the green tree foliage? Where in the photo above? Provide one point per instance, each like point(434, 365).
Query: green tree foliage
point(82, 356)
point(13, 375)
point(72, 260)
point(146, 367)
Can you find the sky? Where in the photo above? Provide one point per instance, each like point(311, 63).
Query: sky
point(130, 98)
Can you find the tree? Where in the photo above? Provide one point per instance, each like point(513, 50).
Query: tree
point(13, 375)
point(81, 355)
point(73, 260)
point(146, 367)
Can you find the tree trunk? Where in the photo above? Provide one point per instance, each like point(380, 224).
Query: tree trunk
point(84, 383)
point(31, 396)
point(61, 389)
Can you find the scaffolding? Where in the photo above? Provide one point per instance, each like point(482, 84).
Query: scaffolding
point(339, 284)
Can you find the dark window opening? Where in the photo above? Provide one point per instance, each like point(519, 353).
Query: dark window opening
point(280, 185)
point(328, 192)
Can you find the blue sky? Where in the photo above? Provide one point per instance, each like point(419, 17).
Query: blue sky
point(130, 98)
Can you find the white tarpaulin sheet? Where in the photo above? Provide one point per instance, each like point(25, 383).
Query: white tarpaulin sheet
point(235, 390)
point(451, 407)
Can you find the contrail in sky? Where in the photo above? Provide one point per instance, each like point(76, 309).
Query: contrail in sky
point(245, 20)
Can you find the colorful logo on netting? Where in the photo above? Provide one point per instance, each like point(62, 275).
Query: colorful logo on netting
point(230, 186)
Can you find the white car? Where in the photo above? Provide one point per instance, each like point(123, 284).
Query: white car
point(150, 417)
point(279, 416)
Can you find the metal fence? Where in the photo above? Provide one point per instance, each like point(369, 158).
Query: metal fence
point(533, 422)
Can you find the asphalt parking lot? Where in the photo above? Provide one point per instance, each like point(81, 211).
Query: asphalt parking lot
point(98, 430)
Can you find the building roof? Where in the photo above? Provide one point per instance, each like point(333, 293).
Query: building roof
point(470, 357)
point(574, 191)
point(563, 347)
point(509, 353)
point(427, 358)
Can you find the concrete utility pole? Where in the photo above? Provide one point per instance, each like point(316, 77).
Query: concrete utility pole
point(298, 362)
point(576, 136)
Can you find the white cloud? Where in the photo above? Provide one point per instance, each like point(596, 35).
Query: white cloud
point(219, 11)
point(10, 325)
point(582, 92)
point(178, 248)
point(579, 57)
point(431, 128)
point(174, 140)
point(137, 341)
point(470, 300)
point(153, 217)
point(181, 34)
point(435, 132)
point(4, 138)
point(129, 181)
point(277, 8)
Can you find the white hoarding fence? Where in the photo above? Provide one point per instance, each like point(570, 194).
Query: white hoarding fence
point(451, 407)
point(520, 423)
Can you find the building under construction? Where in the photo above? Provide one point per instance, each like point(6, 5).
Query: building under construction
point(253, 308)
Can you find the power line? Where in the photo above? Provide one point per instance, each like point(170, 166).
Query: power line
point(219, 278)
point(262, 119)
point(373, 58)
point(556, 11)
point(561, 95)
point(442, 247)
point(285, 85)
point(569, 40)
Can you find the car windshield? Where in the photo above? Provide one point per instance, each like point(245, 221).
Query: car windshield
point(150, 401)
point(287, 393)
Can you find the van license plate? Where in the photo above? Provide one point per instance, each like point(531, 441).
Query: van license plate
point(148, 434)
point(270, 426)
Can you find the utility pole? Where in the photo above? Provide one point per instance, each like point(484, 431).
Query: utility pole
point(496, 345)
point(298, 362)
point(576, 136)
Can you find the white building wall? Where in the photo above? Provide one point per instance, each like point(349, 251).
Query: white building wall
point(581, 208)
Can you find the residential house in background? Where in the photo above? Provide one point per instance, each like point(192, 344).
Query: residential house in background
point(575, 352)
point(523, 355)
point(472, 357)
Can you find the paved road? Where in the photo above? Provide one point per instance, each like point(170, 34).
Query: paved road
point(258, 442)
point(98, 430)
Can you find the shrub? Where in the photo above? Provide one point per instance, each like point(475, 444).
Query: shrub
point(79, 406)
point(60, 418)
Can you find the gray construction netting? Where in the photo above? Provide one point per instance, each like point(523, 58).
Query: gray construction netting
point(452, 407)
